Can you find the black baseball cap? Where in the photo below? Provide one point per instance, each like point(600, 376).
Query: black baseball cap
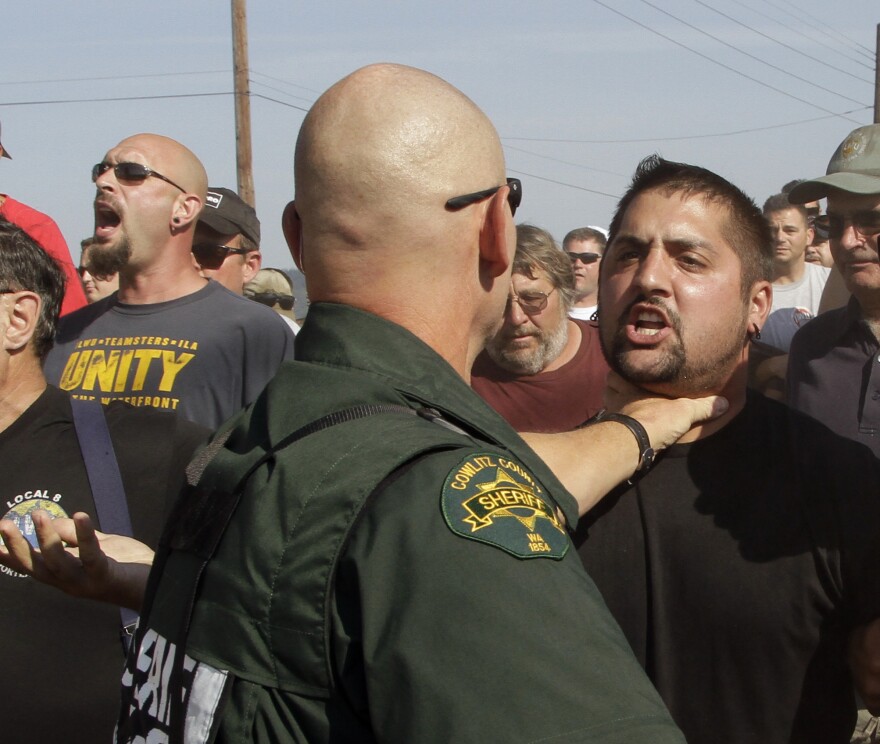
point(228, 214)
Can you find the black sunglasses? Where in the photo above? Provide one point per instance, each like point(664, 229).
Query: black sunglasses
point(866, 223)
point(211, 255)
point(130, 172)
point(285, 302)
point(585, 258)
point(514, 196)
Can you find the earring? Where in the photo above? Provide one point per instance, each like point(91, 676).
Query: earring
point(757, 335)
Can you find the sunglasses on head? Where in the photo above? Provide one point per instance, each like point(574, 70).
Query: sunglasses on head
point(285, 302)
point(866, 223)
point(212, 256)
point(130, 172)
point(514, 196)
point(584, 258)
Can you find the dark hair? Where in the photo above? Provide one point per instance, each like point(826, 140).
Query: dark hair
point(24, 265)
point(585, 233)
point(745, 228)
point(780, 202)
point(536, 249)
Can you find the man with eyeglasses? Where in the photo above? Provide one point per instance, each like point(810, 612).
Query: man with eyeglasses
point(584, 246)
point(169, 338)
point(226, 245)
point(371, 553)
point(833, 372)
point(542, 370)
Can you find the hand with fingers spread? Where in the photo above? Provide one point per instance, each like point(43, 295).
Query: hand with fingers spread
point(77, 559)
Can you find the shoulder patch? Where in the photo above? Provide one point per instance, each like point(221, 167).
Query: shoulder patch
point(492, 499)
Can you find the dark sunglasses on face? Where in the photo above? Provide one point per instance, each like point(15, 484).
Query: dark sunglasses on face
point(584, 258)
point(130, 172)
point(212, 256)
point(866, 223)
point(514, 196)
point(285, 302)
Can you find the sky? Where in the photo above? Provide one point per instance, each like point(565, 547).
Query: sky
point(760, 91)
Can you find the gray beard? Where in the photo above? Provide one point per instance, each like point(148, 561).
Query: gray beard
point(106, 260)
point(531, 362)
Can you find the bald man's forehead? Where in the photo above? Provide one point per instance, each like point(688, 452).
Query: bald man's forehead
point(164, 155)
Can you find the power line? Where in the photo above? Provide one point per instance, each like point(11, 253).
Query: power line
point(854, 45)
point(716, 62)
point(747, 54)
point(275, 100)
point(684, 137)
point(811, 39)
point(278, 90)
point(106, 100)
point(286, 82)
point(562, 183)
point(557, 160)
point(781, 43)
point(111, 77)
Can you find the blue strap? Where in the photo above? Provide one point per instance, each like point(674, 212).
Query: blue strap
point(106, 484)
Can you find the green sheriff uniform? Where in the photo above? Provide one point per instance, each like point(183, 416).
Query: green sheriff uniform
point(380, 576)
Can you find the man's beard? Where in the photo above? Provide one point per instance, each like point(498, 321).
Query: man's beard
point(528, 361)
point(687, 375)
point(106, 260)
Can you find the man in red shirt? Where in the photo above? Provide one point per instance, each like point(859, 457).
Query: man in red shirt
point(43, 229)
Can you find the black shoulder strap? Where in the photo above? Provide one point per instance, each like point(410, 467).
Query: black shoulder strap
point(106, 484)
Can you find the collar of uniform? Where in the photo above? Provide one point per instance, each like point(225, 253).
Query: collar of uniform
point(343, 336)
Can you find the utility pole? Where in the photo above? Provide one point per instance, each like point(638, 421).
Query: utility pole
point(243, 157)
point(877, 79)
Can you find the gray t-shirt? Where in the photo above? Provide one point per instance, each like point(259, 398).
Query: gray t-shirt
point(205, 355)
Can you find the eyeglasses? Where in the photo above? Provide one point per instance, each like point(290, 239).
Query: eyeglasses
point(514, 196)
point(584, 258)
point(83, 270)
point(130, 172)
point(285, 302)
point(866, 223)
point(211, 256)
point(531, 302)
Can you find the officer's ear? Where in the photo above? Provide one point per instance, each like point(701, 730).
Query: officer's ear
point(21, 311)
point(291, 225)
point(497, 235)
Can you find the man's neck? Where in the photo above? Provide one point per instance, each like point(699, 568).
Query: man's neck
point(22, 388)
point(159, 284)
point(589, 300)
point(790, 273)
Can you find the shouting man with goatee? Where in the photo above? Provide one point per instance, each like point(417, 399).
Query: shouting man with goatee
point(169, 338)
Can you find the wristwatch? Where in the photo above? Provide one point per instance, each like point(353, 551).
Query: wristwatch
point(646, 451)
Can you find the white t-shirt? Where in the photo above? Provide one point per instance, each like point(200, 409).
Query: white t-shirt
point(582, 313)
point(793, 305)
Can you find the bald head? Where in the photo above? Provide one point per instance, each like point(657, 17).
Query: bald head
point(166, 156)
point(382, 150)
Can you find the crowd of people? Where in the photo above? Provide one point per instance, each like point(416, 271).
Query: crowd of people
point(625, 488)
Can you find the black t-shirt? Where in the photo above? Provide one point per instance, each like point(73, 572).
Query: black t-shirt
point(737, 567)
point(62, 655)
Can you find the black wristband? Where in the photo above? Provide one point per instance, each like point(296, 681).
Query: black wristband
point(646, 451)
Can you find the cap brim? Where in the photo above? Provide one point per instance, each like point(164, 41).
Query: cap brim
point(5, 152)
point(819, 188)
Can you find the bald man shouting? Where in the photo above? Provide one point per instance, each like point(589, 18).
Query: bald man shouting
point(169, 338)
point(370, 553)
